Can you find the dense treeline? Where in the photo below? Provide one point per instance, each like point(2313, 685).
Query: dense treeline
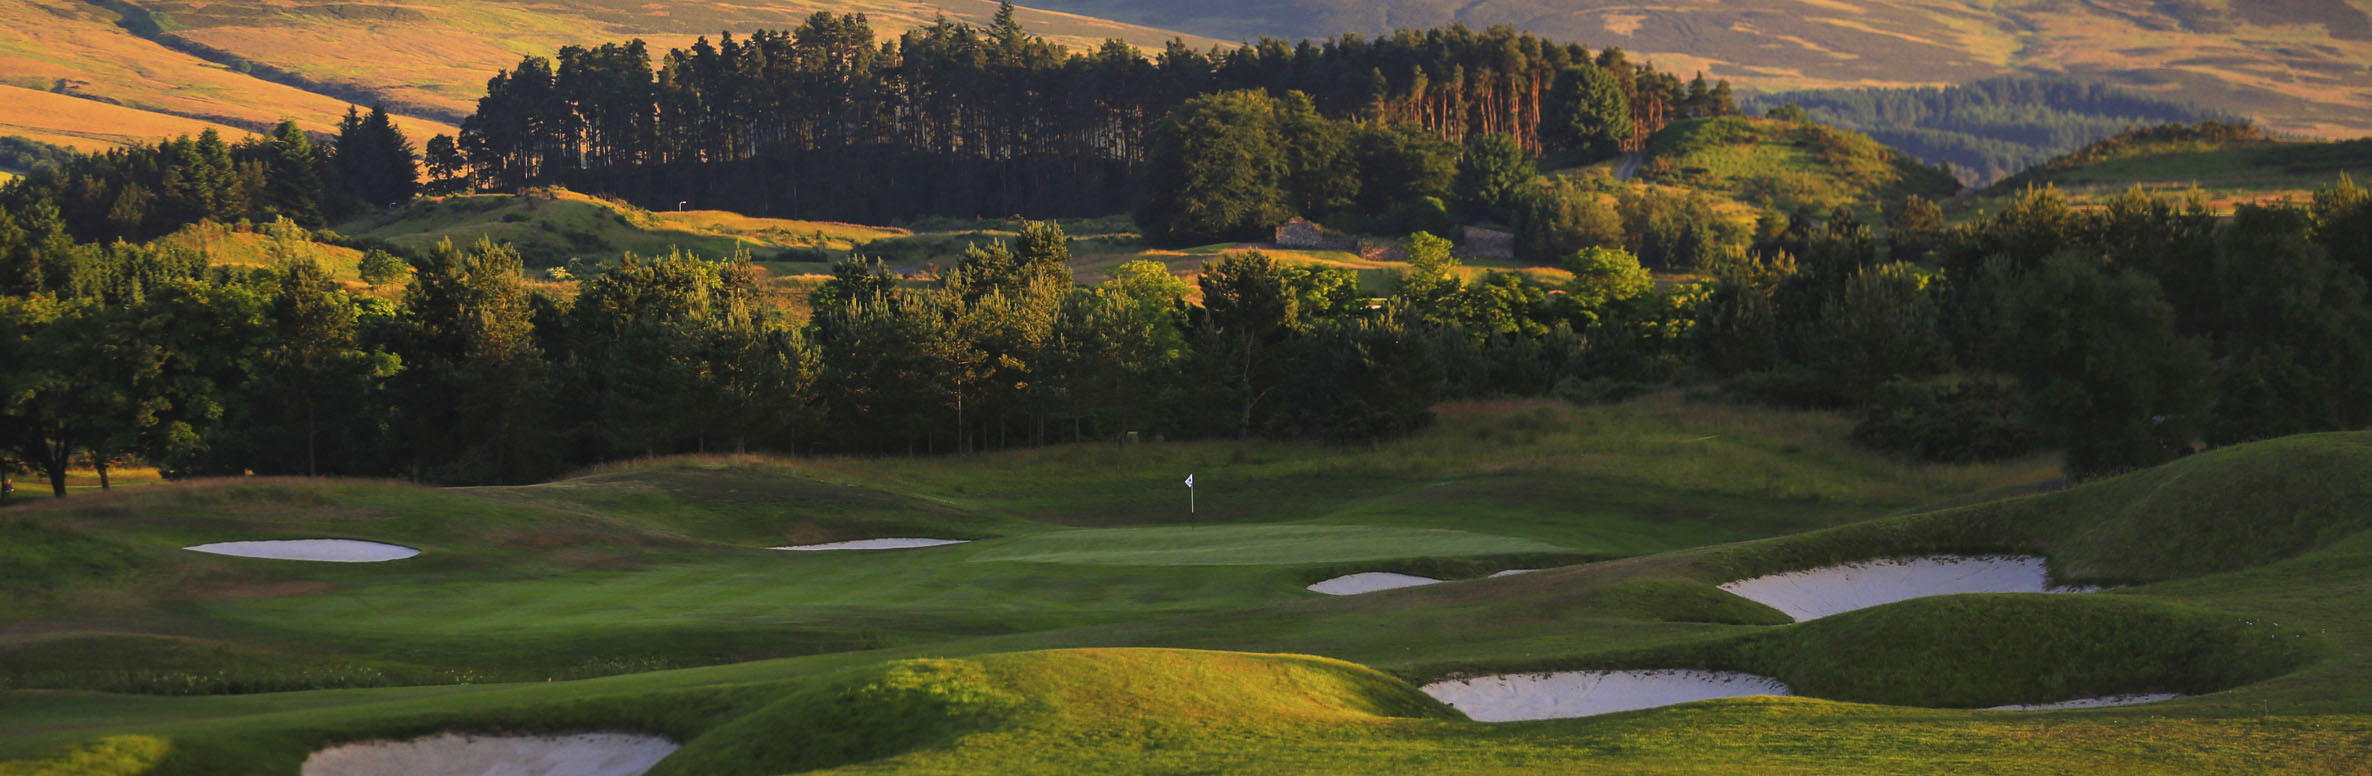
point(952, 119)
point(2126, 335)
point(143, 192)
point(1988, 129)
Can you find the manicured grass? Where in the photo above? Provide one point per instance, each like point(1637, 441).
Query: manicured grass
point(1248, 545)
point(1014, 654)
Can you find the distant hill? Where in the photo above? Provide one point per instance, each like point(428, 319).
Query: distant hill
point(1989, 129)
point(1795, 167)
point(2302, 66)
point(2228, 163)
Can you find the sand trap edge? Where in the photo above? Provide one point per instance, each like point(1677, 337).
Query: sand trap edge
point(1570, 694)
point(574, 754)
point(310, 550)
point(1813, 593)
point(892, 543)
point(2101, 702)
point(1370, 582)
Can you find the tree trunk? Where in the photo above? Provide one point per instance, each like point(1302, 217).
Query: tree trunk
point(57, 477)
point(99, 462)
point(312, 432)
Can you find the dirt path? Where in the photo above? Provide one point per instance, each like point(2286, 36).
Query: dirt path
point(1630, 165)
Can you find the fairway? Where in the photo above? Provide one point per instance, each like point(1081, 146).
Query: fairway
point(638, 600)
point(1251, 545)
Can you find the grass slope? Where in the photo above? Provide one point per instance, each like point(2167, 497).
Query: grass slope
point(2248, 562)
point(1804, 168)
point(2299, 66)
point(75, 49)
point(551, 226)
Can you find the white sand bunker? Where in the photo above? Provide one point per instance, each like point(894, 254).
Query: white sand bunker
point(1815, 593)
point(330, 550)
point(1517, 697)
point(451, 754)
point(1511, 572)
point(1369, 582)
point(872, 544)
point(2090, 703)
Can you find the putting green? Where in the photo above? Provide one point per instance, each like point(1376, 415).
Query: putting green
point(1252, 545)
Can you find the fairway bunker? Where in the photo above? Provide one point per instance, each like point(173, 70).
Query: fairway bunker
point(872, 544)
point(1369, 582)
point(2090, 703)
point(456, 754)
point(323, 550)
point(1811, 594)
point(1563, 694)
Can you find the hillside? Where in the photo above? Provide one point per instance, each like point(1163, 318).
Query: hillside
point(2298, 66)
point(2228, 165)
point(1989, 129)
point(1794, 167)
point(131, 88)
point(434, 58)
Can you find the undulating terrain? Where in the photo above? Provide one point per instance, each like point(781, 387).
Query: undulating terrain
point(632, 598)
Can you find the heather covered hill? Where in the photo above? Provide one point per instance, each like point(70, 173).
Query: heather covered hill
point(2299, 66)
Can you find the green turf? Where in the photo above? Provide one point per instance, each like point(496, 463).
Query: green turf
point(1023, 651)
point(1249, 545)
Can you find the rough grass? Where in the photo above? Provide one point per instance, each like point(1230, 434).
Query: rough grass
point(1803, 168)
point(550, 227)
point(2225, 177)
point(226, 246)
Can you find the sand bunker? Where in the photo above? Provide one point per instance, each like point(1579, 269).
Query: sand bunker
point(1511, 572)
point(1517, 697)
point(871, 544)
point(1369, 582)
point(2090, 703)
point(1815, 593)
point(451, 754)
point(329, 550)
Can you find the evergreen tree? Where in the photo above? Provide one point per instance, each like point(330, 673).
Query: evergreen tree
point(1493, 172)
point(292, 171)
point(1586, 111)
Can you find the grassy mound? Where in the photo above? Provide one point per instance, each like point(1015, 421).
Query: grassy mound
point(551, 226)
point(1992, 650)
point(1004, 707)
point(865, 714)
point(110, 755)
point(1794, 167)
point(2223, 510)
point(45, 560)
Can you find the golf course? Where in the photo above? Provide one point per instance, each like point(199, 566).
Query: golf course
point(2208, 615)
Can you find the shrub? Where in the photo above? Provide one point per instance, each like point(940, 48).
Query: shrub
point(1954, 422)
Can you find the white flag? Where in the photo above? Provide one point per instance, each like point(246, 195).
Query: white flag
point(1190, 480)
